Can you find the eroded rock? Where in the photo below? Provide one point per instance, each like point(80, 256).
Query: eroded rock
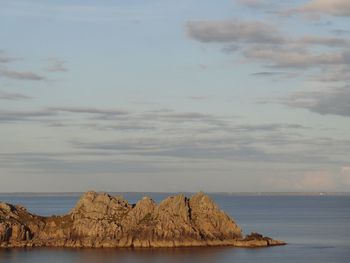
point(102, 220)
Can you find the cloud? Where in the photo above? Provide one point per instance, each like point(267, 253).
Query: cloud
point(345, 175)
point(14, 116)
point(152, 142)
point(89, 110)
point(325, 41)
point(317, 180)
point(298, 58)
point(56, 65)
point(267, 73)
point(73, 163)
point(334, 102)
point(260, 42)
point(253, 32)
point(329, 7)
point(13, 96)
point(6, 59)
point(238, 145)
point(200, 98)
point(268, 127)
point(185, 116)
point(101, 114)
point(96, 113)
point(340, 31)
point(122, 126)
point(199, 149)
point(324, 180)
point(253, 3)
point(14, 74)
point(281, 74)
point(333, 74)
point(18, 75)
point(127, 120)
point(345, 170)
point(171, 117)
point(186, 135)
point(233, 31)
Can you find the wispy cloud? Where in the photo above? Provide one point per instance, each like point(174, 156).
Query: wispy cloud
point(4, 58)
point(325, 41)
point(318, 58)
point(90, 110)
point(20, 75)
point(201, 98)
point(340, 31)
point(6, 72)
point(264, 43)
point(254, 3)
point(95, 113)
point(334, 7)
point(13, 96)
point(233, 31)
point(242, 147)
point(281, 74)
point(56, 65)
point(14, 116)
point(288, 57)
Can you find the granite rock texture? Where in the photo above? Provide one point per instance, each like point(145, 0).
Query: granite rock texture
point(101, 220)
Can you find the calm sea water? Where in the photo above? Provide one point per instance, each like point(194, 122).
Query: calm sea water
point(317, 229)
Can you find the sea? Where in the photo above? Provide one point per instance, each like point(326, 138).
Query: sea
point(315, 227)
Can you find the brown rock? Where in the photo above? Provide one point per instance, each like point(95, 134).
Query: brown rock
point(210, 221)
point(102, 220)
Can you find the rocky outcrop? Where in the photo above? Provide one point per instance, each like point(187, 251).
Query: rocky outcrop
point(102, 220)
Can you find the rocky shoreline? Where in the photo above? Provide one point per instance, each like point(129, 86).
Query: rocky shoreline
point(100, 220)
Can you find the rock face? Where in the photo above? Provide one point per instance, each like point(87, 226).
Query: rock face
point(101, 220)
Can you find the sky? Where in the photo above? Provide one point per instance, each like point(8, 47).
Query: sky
point(165, 95)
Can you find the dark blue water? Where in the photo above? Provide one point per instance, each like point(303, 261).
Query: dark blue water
point(317, 229)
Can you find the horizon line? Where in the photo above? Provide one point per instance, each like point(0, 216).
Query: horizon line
point(312, 193)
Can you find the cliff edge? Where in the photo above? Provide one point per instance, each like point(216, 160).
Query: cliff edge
point(102, 220)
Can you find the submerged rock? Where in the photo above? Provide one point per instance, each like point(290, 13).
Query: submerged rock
point(102, 220)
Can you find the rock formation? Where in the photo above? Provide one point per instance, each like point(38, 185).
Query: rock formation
point(101, 220)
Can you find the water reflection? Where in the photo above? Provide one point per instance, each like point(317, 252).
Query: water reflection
point(169, 255)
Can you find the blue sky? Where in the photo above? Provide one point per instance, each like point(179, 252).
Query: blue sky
point(236, 95)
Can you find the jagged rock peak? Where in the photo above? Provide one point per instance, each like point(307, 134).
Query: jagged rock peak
point(98, 201)
point(203, 200)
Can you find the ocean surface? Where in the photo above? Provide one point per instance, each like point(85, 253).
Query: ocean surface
point(316, 228)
